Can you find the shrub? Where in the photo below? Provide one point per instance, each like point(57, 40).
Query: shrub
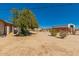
point(59, 34)
point(53, 32)
point(62, 34)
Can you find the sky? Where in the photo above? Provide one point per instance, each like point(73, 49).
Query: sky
point(47, 14)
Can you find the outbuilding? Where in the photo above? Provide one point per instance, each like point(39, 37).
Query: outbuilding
point(5, 27)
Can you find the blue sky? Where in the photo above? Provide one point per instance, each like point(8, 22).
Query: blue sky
point(47, 15)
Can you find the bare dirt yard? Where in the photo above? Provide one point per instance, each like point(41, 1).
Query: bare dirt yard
point(41, 44)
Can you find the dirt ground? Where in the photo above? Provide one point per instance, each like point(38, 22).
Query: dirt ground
point(41, 44)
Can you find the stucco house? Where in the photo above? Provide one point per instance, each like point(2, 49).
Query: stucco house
point(5, 28)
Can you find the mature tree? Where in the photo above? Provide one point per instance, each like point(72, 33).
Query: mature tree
point(24, 19)
point(15, 17)
point(31, 20)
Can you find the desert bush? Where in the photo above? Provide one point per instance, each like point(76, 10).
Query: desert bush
point(59, 34)
point(62, 34)
point(53, 32)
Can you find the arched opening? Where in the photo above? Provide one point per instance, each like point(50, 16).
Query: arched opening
point(71, 26)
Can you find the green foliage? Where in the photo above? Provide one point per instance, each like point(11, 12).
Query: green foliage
point(24, 19)
point(53, 32)
point(31, 21)
point(15, 16)
point(24, 32)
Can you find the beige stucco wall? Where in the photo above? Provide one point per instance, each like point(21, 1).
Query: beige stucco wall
point(8, 29)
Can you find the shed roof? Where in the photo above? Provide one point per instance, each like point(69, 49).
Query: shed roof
point(6, 22)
